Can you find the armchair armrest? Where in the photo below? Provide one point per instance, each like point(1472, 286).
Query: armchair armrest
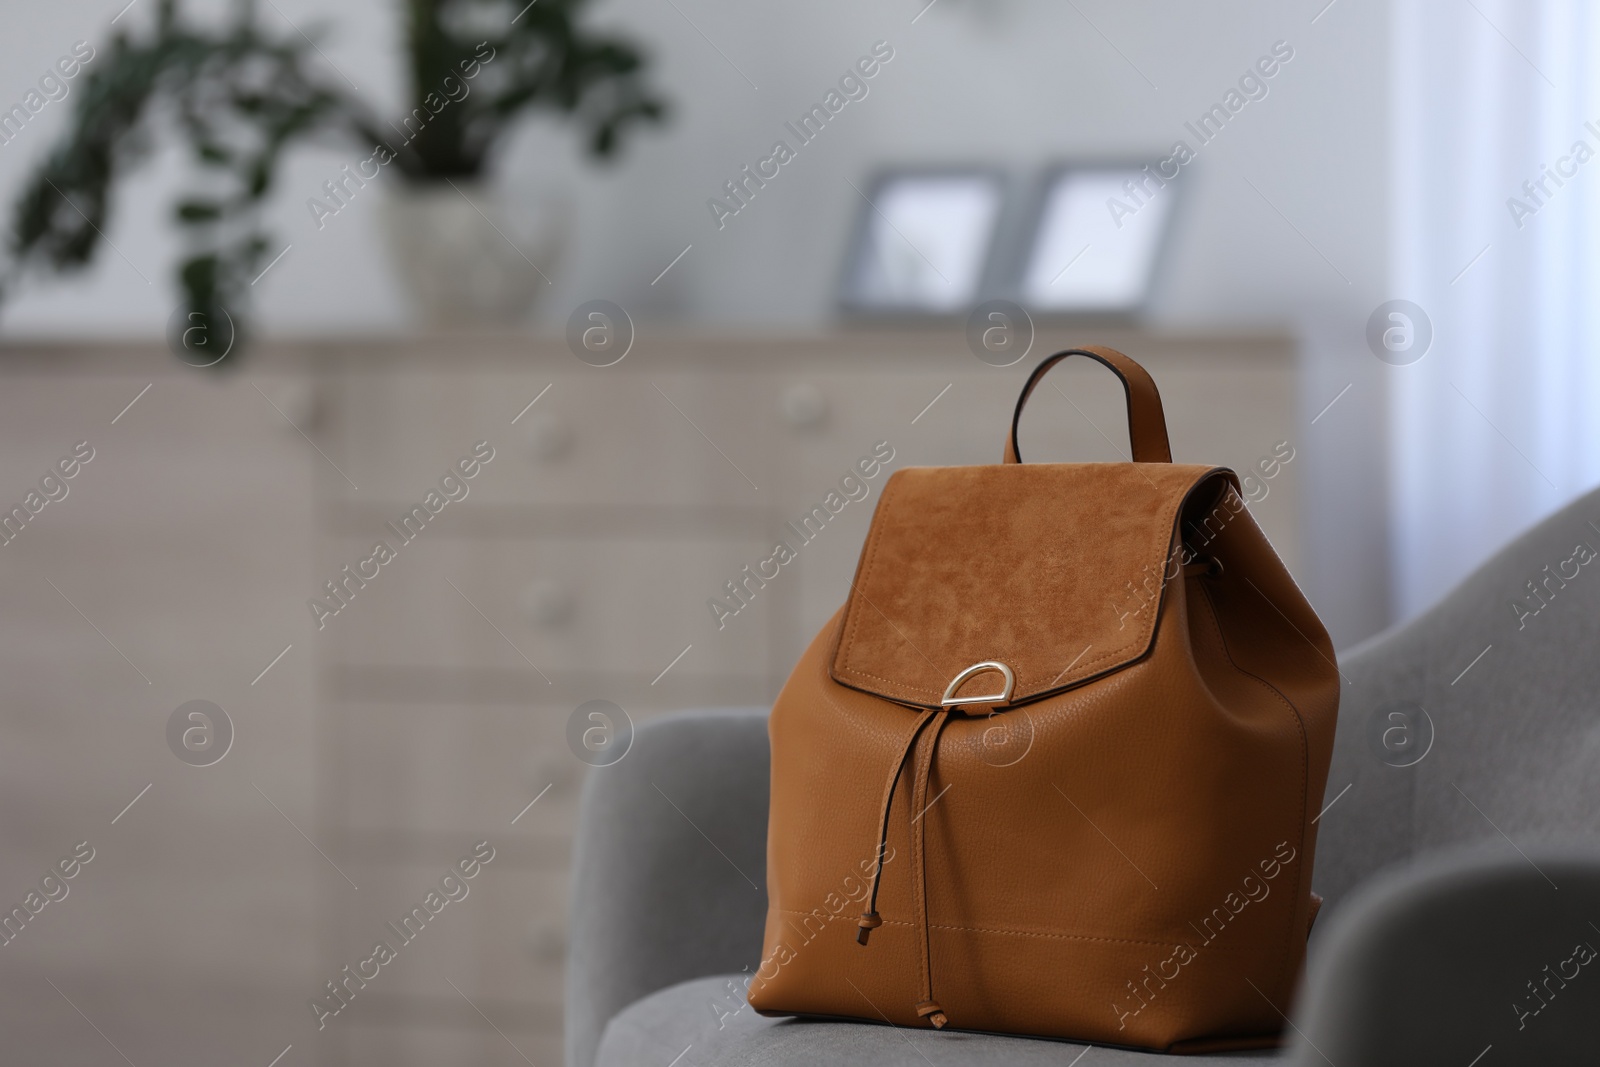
point(1455, 953)
point(669, 866)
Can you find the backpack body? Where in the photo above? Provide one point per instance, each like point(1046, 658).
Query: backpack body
point(1053, 768)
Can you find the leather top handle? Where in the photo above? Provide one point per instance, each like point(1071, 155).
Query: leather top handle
point(1147, 424)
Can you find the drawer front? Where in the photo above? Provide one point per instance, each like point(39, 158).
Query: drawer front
point(618, 607)
point(411, 775)
point(676, 438)
point(455, 769)
point(498, 936)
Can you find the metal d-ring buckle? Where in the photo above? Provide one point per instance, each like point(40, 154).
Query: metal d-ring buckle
point(1004, 697)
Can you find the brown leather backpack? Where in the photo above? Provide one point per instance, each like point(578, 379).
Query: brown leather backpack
point(1053, 768)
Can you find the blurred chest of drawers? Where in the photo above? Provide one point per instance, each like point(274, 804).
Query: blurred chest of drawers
point(620, 500)
point(588, 558)
point(467, 538)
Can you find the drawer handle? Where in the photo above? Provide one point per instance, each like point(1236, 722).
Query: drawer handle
point(546, 602)
point(549, 437)
point(804, 406)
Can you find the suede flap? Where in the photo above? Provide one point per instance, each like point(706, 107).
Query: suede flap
point(1055, 570)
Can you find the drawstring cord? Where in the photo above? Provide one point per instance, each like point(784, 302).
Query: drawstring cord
point(927, 1008)
point(870, 920)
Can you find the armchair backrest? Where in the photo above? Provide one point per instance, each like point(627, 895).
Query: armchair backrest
point(1478, 720)
point(669, 868)
point(1464, 951)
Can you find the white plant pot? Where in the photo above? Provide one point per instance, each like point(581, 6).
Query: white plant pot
point(467, 256)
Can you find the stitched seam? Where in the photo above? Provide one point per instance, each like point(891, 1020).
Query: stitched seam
point(904, 688)
point(1121, 650)
point(986, 930)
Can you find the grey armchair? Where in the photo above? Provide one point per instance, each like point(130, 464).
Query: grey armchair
point(1459, 857)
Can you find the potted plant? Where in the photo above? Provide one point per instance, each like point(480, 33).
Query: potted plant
point(241, 96)
point(463, 254)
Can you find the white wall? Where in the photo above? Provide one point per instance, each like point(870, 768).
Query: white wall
point(1011, 82)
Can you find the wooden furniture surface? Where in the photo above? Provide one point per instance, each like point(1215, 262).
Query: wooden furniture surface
point(433, 707)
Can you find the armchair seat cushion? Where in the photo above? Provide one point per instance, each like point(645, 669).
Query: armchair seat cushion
point(705, 1022)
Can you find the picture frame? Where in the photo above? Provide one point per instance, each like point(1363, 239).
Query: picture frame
point(924, 240)
point(1093, 240)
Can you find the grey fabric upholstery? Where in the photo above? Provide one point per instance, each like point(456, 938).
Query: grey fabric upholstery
point(1516, 739)
point(669, 869)
point(1438, 963)
point(1428, 963)
point(700, 1019)
point(1514, 756)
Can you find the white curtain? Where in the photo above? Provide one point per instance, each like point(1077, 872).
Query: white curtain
point(1499, 424)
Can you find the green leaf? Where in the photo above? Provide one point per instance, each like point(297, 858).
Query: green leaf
point(199, 211)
